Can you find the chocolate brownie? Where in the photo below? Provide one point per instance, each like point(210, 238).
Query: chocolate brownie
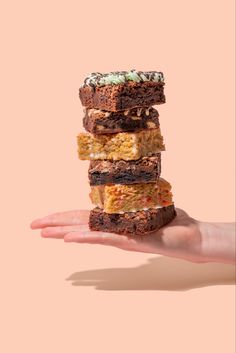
point(144, 170)
point(122, 90)
point(131, 223)
point(103, 122)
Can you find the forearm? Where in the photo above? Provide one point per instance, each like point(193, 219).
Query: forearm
point(218, 242)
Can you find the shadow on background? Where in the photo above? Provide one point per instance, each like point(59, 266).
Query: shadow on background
point(161, 273)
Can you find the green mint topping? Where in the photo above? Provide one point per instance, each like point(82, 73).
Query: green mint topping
point(118, 77)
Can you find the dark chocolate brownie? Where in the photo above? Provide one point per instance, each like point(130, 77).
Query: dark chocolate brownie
point(131, 223)
point(103, 122)
point(143, 170)
point(122, 96)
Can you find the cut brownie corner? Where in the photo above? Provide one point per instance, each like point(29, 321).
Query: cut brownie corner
point(133, 224)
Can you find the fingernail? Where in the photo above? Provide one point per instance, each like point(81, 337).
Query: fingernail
point(34, 224)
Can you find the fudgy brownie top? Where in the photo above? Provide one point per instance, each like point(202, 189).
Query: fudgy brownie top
point(131, 223)
point(149, 164)
point(119, 77)
point(143, 215)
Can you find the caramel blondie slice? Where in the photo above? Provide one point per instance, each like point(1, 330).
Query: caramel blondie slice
point(124, 145)
point(131, 198)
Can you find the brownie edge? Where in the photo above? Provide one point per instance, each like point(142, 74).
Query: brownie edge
point(143, 170)
point(102, 122)
point(131, 223)
point(122, 96)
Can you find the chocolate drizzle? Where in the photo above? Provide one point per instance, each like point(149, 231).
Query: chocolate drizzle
point(119, 77)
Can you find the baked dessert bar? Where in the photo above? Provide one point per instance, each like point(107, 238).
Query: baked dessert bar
point(124, 145)
point(102, 122)
point(122, 90)
point(133, 224)
point(143, 170)
point(131, 198)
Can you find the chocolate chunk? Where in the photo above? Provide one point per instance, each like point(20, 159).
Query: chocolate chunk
point(143, 170)
point(131, 223)
point(122, 96)
point(103, 122)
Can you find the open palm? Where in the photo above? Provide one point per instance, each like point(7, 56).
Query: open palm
point(180, 238)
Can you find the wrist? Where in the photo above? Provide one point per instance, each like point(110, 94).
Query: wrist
point(218, 242)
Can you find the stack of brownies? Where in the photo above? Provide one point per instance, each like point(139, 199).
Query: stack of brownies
point(123, 144)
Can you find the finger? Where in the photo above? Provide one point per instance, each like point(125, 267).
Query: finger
point(61, 231)
point(92, 237)
point(181, 213)
point(61, 219)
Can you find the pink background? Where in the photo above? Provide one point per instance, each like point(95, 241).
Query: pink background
point(157, 304)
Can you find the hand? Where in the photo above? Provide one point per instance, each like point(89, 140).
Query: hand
point(184, 237)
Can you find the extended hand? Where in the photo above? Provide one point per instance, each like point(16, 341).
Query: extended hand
point(184, 237)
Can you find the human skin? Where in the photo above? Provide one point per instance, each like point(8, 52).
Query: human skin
point(185, 237)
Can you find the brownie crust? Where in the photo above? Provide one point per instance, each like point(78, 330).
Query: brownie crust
point(103, 122)
point(143, 170)
point(122, 96)
point(131, 223)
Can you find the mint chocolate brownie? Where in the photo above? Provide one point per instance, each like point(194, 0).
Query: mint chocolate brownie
point(122, 90)
point(102, 122)
point(131, 223)
point(143, 170)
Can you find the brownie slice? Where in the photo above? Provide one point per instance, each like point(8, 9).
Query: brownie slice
point(102, 122)
point(122, 96)
point(131, 223)
point(143, 170)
